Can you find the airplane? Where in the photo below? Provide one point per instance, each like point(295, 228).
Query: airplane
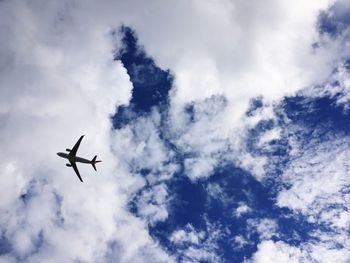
point(73, 158)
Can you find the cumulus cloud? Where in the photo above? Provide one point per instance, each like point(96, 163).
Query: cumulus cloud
point(264, 48)
point(270, 251)
point(279, 252)
point(59, 80)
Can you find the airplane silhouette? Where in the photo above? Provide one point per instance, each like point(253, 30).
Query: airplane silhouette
point(73, 158)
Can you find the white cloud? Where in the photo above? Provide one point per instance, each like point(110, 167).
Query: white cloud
point(318, 177)
point(277, 252)
point(7, 259)
point(242, 209)
point(58, 81)
point(240, 242)
point(340, 91)
point(189, 234)
point(268, 136)
point(323, 253)
point(280, 252)
point(199, 254)
point(265, 227)
point(264, 49)
point(152, 204)
point(193, 245)
point(199, 167)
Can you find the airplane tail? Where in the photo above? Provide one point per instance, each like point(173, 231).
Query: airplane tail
point(93, 162)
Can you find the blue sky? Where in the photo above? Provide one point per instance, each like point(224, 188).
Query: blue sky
point(224, 130)
point(207, 206)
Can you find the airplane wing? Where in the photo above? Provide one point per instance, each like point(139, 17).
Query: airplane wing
point(74, 150)
point(74, 166)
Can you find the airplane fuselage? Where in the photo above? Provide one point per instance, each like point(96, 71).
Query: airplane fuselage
point(73, 158)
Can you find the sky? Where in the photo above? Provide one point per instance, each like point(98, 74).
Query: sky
point(223, 128)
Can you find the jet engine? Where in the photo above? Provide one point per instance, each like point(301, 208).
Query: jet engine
point(69, 165)
point(68, 150)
